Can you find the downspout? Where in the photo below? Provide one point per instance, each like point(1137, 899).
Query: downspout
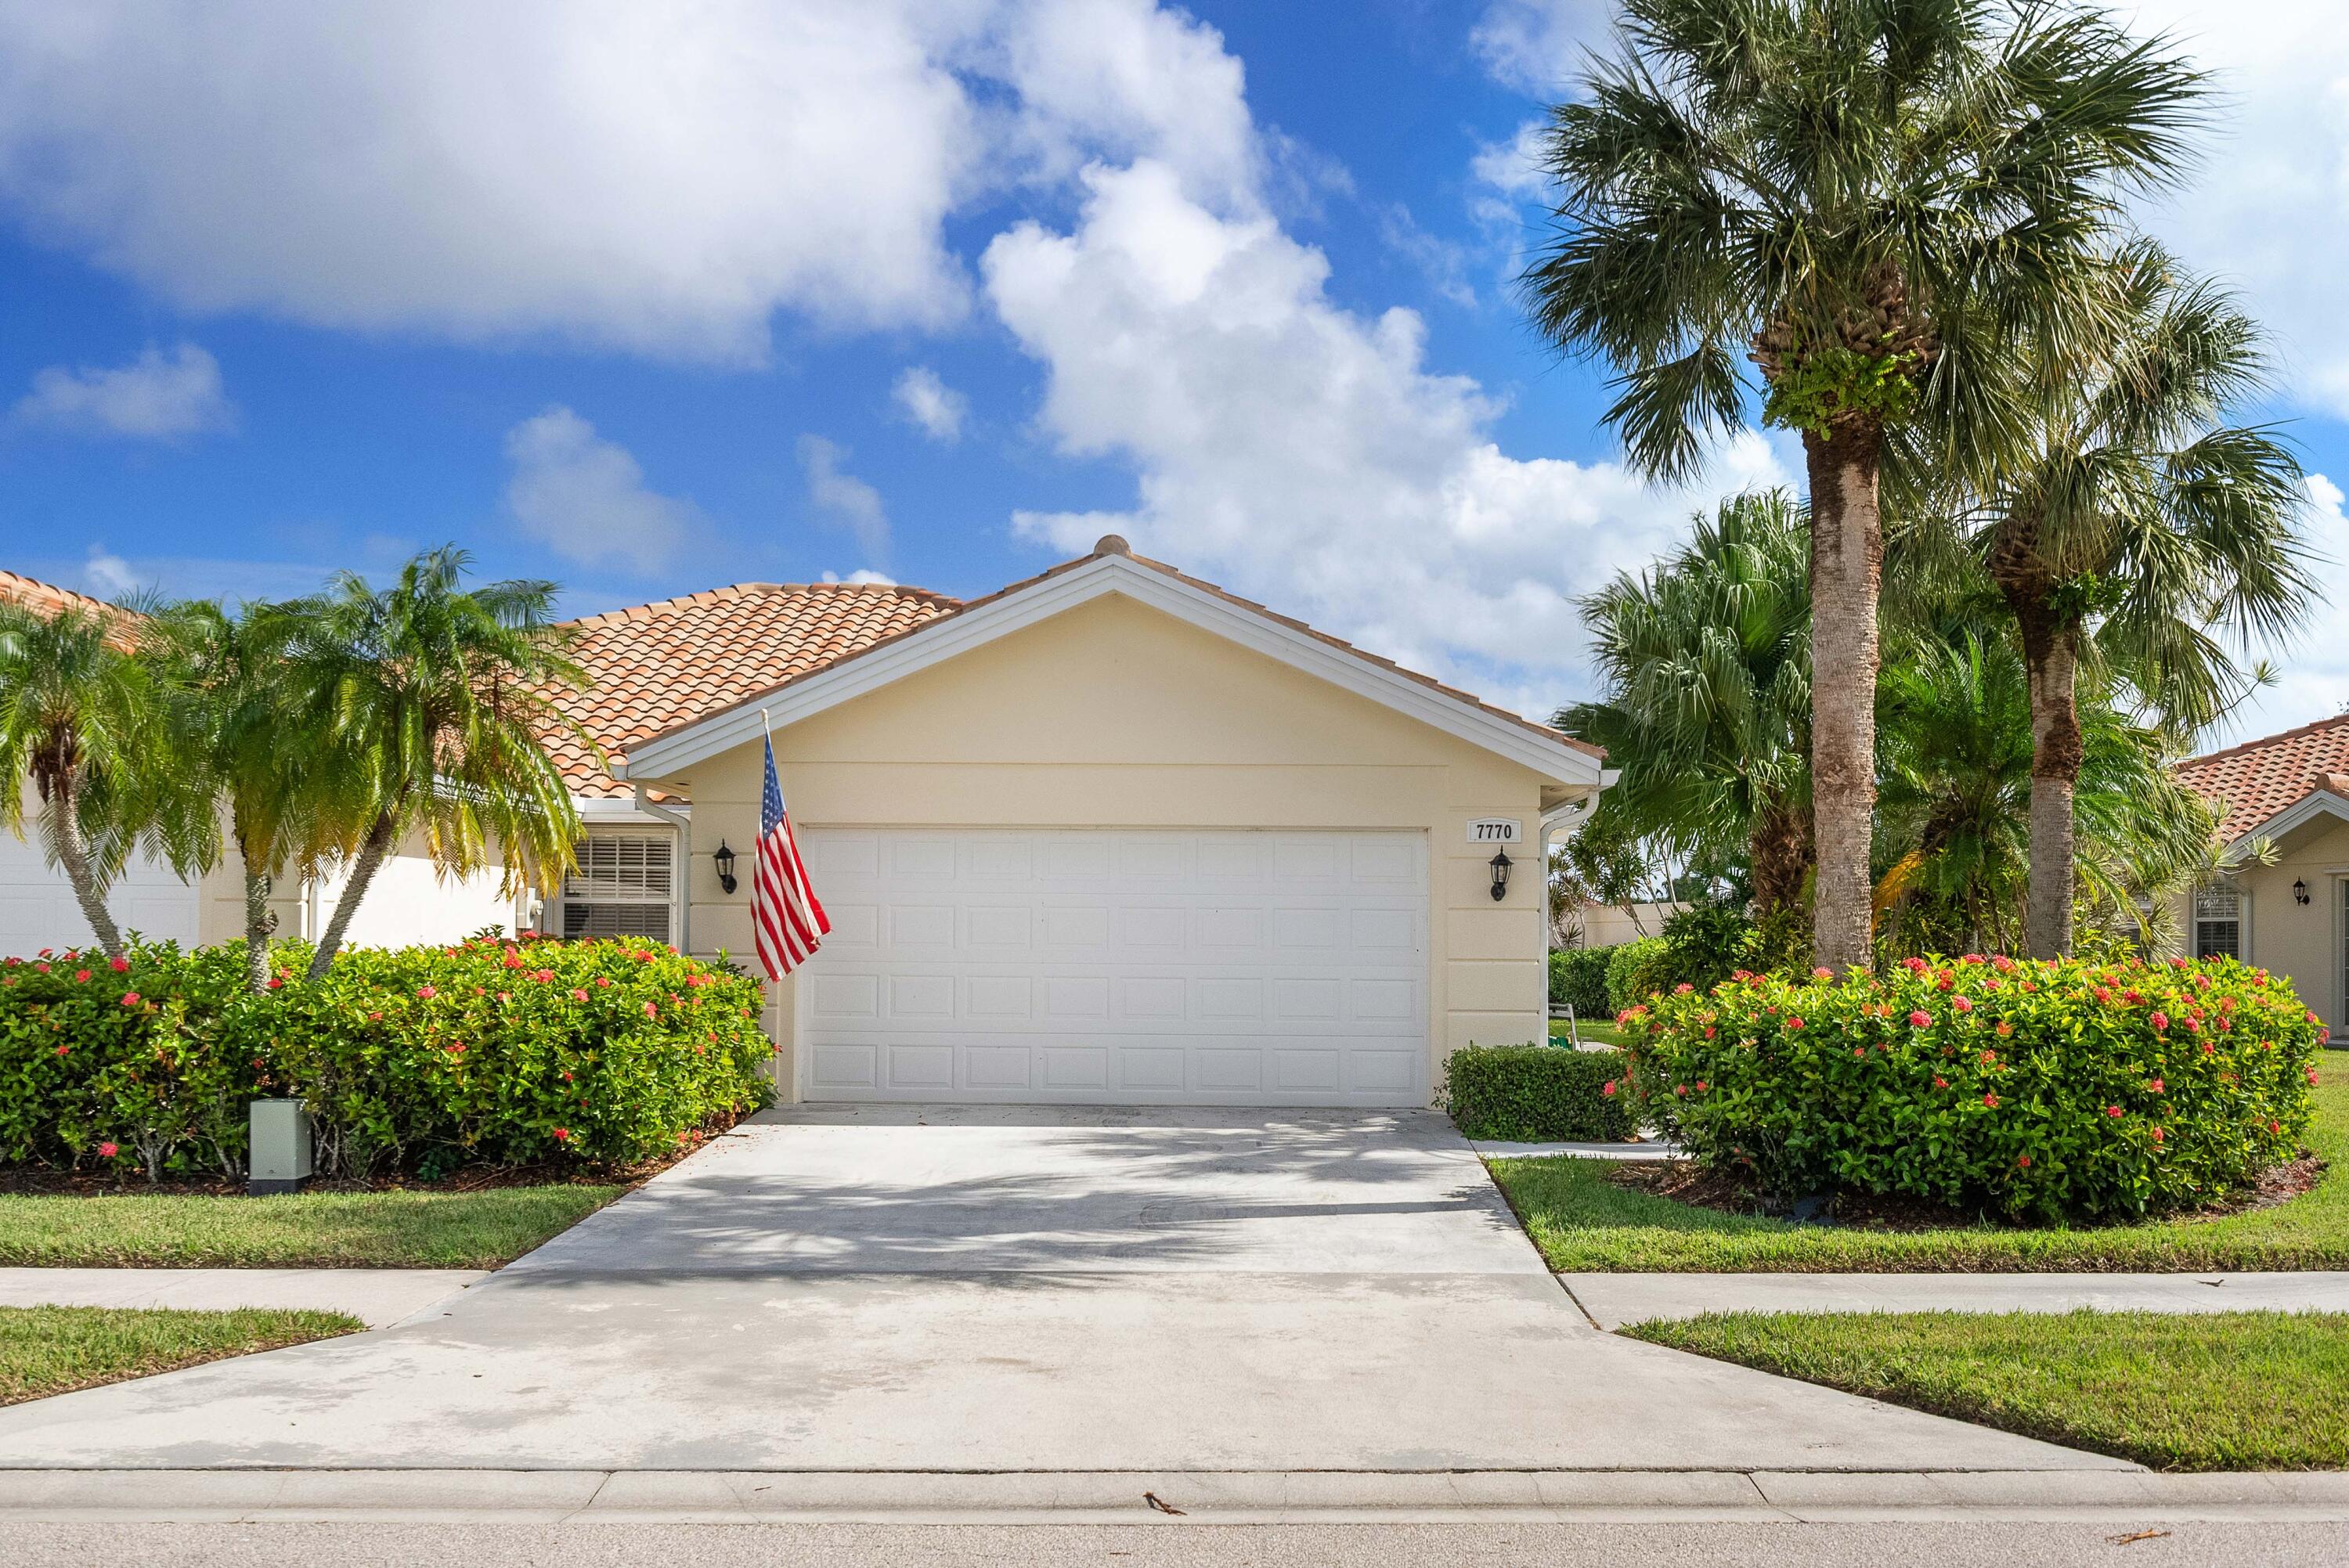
point(681, 890)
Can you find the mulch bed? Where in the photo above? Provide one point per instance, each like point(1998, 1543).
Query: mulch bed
point(128, 1182)
point(1683, 1182)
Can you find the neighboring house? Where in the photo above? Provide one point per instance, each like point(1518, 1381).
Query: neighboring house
point(1108, 835)
point(1612, 925)
point(407, 904)
point(2292, 917)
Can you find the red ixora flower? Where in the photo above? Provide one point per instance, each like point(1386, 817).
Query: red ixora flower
point(119, 965)
point(2112, 1110)
point(1921, 1020)
point(577, 995)
point(2156, 1085)
point(1915, 966)
point(1823, 972)
point(1941, 1082)
point(513, 960)
point(1961, 1004)
point(1607, 1089)
point(651, 1011)
point(108, 1150)
point(2157, 1135)
point(603, 980)
point(2160, 1021)
point(2004, 1027)
point(1681, 1089)
point(1791, 1023)
point(2024, 1161)
point(426, 993)
point(1682, 989)
point(1991, 1100)
point(273, 983)
point(130, 998)
point(562, 1135)
point(81, 974)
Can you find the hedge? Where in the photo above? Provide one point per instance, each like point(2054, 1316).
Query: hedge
point(1629, 967)
point(1577, 976)
point(2065, 1091)
point(1538, 1094)
point(421, 1058)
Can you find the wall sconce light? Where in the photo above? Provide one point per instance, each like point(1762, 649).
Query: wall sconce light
point(1500, 863)
point(725, 862)
point(2299, 891)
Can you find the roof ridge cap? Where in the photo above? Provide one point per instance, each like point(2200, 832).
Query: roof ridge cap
point(2260, 743)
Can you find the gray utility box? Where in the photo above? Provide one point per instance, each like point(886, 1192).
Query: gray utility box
point(281, 1147)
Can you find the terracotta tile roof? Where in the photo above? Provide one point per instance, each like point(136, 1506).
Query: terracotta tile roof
point(1111, 544)
point(2261, 777)
point(48, 598)
point(657, 667)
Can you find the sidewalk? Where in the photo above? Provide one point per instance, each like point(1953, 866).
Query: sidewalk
point(378, 1297)
point(1613, 1300)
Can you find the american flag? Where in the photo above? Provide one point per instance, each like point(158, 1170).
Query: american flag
point(783, 905)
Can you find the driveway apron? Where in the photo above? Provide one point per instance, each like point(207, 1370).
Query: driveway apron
point(931, 1289)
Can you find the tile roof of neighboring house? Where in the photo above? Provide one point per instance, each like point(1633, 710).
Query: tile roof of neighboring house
point(48, 598)
point(2261, 777)
point(1111, 544)
point(656, 666)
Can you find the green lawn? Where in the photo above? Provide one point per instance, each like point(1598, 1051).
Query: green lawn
point(2232, 1391)
point(305, 1230)
point(1582, 1222)
point(1593, 1031)
point(48, 1350)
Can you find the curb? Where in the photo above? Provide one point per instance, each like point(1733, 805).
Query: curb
point(677, 1497)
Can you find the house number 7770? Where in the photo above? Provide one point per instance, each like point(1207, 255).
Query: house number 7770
point(1494, 830)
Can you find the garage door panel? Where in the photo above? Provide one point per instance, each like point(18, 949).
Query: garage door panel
point(1205, 967)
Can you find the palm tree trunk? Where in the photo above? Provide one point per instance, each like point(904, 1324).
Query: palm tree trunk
point(66, 825)
point(1780, 848)
point(256, 929)
point(2052, 657)
point(1846, 574)
point(372, 850)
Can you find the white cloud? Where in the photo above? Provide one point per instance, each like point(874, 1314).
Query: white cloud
point(657, 179)
point(1537, 45)
point(1304, 454)
point(1443, 263)
point(880, 578)
point(109, 576)
point(841, 498)
point(156, 396)
point(584, 497)
point(2311, 667)
point(930, 402)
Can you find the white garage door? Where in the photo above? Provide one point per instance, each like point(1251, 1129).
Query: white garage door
point(38, 908)
point(1107, 966)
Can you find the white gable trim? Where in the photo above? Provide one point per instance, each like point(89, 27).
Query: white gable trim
point(943, 639)
point(2299, 814)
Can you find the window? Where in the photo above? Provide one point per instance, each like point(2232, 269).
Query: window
point(623, 887)
point(2219, 923)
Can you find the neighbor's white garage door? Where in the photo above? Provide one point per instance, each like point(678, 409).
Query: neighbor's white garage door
point(1107, 966)
point(38, 908)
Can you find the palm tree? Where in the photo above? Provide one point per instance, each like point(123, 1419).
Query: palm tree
point(1957, 744)
point(2136, 520)
point(77, 723)
point(1883, 203)
point(438, 696)
point(1706, 663)
point(237, 685)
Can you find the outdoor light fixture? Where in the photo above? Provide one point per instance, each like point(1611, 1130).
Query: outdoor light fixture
point(1500, 863)
point(2299, 891)
point(725, 859)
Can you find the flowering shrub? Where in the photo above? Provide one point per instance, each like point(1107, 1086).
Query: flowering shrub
point(504, 1052)
point(2053, 1091)
point(1537, 1094)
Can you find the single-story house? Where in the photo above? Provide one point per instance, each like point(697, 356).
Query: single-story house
point(1110, 834)
point(2291, 790)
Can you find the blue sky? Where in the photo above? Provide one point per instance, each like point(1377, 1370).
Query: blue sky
point(651, 299)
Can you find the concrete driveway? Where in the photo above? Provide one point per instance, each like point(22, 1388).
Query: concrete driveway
point(911, 1289)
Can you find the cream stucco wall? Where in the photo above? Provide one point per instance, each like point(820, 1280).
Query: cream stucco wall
point(406, 903)
point(2307, 941)
point(1116, 715)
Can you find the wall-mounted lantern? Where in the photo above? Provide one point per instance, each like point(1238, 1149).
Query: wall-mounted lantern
point(725, 861)
point(2299, 891)
point(1500, 863)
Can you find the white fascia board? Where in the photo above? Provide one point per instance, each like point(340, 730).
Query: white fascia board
point(2299, 814)
point(941, 640)
point(602, 808)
